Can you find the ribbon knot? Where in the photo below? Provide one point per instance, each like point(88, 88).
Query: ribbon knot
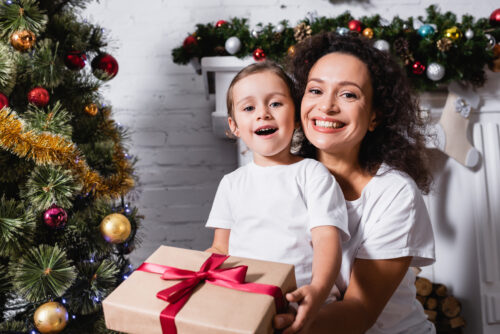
point(178, 294)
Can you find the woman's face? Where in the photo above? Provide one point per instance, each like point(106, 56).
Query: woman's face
point(336, 110)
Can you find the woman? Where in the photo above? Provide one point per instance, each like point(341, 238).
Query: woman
point(360, 120)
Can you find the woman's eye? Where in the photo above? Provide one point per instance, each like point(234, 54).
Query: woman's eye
point(248, 108)
point(275, 104)
point(314, 91)
point(349, 95)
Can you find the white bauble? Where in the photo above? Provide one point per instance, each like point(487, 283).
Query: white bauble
point(382, 45)
point(232, 45)
point(435, 71)
point(280, 28)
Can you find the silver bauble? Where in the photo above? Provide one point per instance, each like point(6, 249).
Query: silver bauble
point(280, 28)
point(469, 34)
point(342, 31)
point(491, 41)
point(255, 33)
point(382, 45)
point(233, 45)
point(435, 71)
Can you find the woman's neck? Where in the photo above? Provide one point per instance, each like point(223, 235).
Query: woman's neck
point(348, 173)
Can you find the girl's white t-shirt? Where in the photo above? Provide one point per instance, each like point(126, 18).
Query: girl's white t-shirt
point(389, 221)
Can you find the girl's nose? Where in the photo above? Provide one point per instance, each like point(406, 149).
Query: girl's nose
point(263, 113)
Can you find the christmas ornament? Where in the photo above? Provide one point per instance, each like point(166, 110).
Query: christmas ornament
point(232, 45)
point(4, 101)
point(22, 40)
point(495, 64)
point(220, 23)
point(418, 68)
point(495, 18)
point(382, 45)
point(354, 25)
point(280, 28)
point(259, 55)
point(115, 228)
point(38, 96)
point(444, 44)
point(435, 71)
point(50, 318)
point(189, 42)
point(55, 217)
point(75, 60)
point(453, 33)
point(469, 34)
point(368, 32)
point(491, 41)
point(255, 33)
point(91, 109)
point(220, 50)
point(342, 31)
point(425, 30)
point(104, 66)
point(291, 50)
point(301, 31)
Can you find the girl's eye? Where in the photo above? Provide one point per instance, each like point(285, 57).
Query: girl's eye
point(275, 104)
point(314, 91)
point(248, 108)
point(349, 95)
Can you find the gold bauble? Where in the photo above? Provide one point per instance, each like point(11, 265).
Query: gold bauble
point(115, 228)
point(368, 33)
point(495, 64)
point(453, 33)
point(50, 318)
point(22, 40)
point(291, 50)
point(91, 109)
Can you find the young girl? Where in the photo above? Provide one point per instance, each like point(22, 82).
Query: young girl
point(280, 207)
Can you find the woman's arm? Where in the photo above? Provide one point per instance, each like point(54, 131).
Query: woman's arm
point(220, 245)
point(371, 285)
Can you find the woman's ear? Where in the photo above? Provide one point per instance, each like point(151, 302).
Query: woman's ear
point(233, 126)
point(373, 121)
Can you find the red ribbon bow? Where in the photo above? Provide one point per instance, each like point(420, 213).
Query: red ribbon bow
point(178, 294)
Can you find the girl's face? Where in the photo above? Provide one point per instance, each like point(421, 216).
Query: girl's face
point(263, 117)
point(336, 110)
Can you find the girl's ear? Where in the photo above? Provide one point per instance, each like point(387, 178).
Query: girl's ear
point(233, 126)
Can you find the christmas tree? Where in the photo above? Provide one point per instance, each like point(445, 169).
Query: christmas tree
point(66, 222)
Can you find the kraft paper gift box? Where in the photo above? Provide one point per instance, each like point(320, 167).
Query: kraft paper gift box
point(134, 308)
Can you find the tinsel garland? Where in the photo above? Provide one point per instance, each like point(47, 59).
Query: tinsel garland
point(46, 148)
point(472, 42)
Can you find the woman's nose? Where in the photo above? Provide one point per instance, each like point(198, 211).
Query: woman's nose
point(328, 105)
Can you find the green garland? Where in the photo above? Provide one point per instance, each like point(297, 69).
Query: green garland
point(463, 56)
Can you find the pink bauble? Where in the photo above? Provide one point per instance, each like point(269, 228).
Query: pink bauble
point(55, 217)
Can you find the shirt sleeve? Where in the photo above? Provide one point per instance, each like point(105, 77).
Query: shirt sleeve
point(325, 202)
point(401, 227)
point(220, 215)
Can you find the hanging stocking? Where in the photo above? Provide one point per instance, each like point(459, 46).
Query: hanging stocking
point(451, 130)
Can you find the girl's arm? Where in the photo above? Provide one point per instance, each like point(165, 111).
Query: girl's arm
point(220, 245)
point(327, 258)
point(371, 285)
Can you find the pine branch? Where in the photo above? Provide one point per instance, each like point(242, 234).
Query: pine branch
point(16, 227)
point(43, 273)
point(55, 120)
point(7, 69)
point(21, 15)
point(49, 185)
point(46, 68)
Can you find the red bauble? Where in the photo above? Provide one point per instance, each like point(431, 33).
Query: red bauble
point(75, 60)
point(220, 23)
point(4, 101)
point(55, 217)
point(104, 66)
point(354, 25)
point(38, 96)
point(495, 18)
point(259, 54)
point(189, 42)
point(418, 68)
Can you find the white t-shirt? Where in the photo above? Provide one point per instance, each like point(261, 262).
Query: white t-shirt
point(389, 221)
point(271, 210)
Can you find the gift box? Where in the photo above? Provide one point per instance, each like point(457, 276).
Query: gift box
point(212, 306)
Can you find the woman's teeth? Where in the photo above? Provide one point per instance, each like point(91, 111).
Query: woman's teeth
point(327, 124)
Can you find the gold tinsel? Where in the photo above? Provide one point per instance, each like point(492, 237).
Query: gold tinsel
point(45, 148)
point(444, 44)
point(302, 31)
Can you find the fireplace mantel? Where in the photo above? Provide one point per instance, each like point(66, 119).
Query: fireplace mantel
point(464, 204)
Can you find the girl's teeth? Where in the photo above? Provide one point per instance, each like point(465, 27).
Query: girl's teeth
point(327, 124)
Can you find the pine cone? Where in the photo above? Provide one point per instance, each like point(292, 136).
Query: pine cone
point(444, 44)
point(401, 46)
point(302, 31)
point(478, 79)
point(220, 50)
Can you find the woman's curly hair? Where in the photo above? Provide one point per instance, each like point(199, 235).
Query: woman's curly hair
point(398, 139)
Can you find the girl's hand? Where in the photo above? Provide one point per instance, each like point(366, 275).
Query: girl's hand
point(284, 320)
point(309, 299)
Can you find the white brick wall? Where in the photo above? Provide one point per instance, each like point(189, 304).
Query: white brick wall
point(164, 106)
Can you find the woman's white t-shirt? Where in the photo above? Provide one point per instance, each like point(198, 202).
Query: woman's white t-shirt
point(389, 221)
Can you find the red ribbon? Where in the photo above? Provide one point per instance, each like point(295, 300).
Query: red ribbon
point(178, 294)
